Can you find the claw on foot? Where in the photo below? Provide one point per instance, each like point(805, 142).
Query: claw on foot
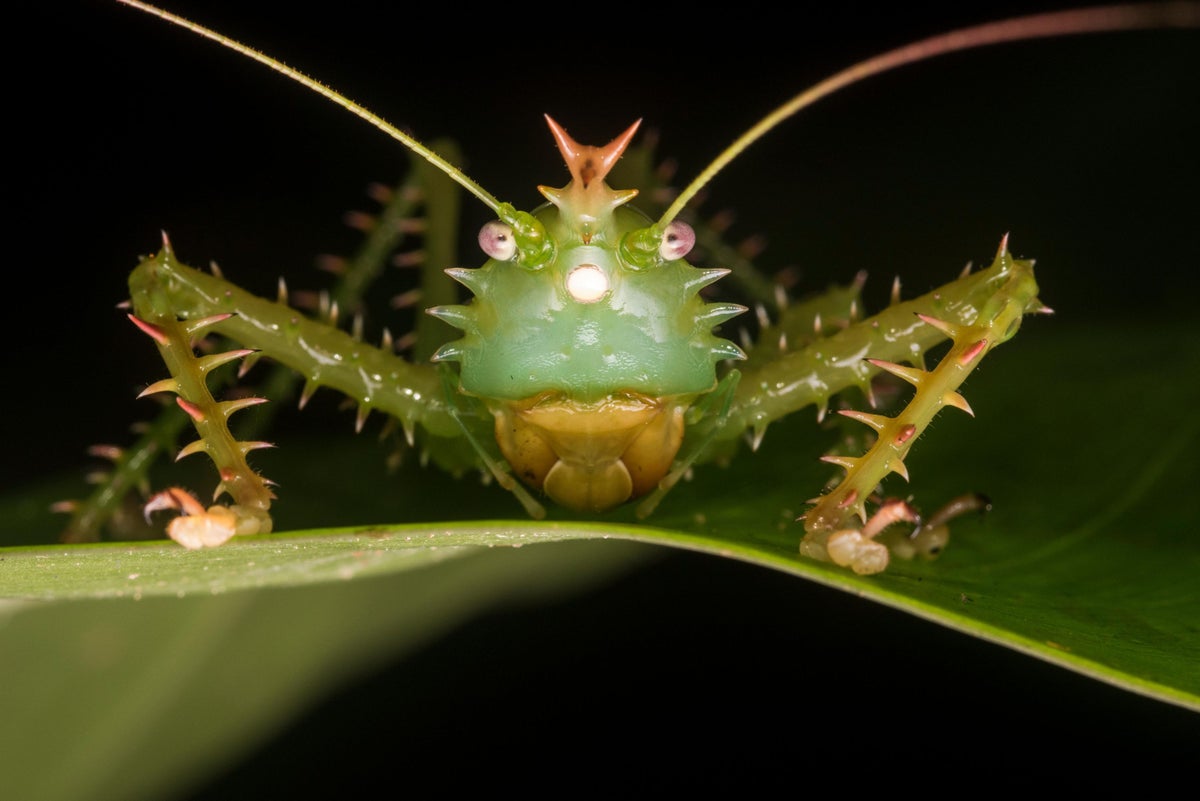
point(197, 527)
point(868, 550)
point(931, 536)
point(853, 549)
point(858, 550)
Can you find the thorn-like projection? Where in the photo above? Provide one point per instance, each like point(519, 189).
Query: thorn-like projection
point(406, 342)
point(705, 278)
point(333, 313)
point(110, 452)
point(752, 247)
point(759, 430)
point(282, 292)
point(724, 349)
point(846, 462)
point(387, 429)
point(229, 407)
point(409, 259)
point(356, 327)
point(910, 374)
point(190, 327)
point(206, 364)
point(248, 363)
point(716, 313)
point(966, 270)
point(193, 411)
point(380, 193)
point(869, 391)
point(306, 393)
point(781, 297)
point(817, 324)
point(950, 330)
point(956, 400)
point(165, 385)
point(334, 265)
point(976, 348)
point(406, 300)
point(409, 431)
point(895, 291)
point(151, 330)
point(359, 220)
point(875, 421)
point(173, 498)
point(215, 269)
point(360, 419)
point(760, 311)
point(309, 301)
point(198, 446)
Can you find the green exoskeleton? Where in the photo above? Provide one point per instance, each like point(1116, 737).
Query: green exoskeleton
point(590, 368)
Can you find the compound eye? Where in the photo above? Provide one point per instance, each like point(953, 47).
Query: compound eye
point(678, 241)
point(496, 240)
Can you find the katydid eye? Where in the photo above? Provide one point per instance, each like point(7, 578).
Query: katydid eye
point(496, 240)
point(678, 241)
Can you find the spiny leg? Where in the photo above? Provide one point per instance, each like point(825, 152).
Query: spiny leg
point(387, 231)
point(173, 302)
point(977, 312)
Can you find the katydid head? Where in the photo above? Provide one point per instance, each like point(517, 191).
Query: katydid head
point(586, 296)
point(587, 338)
point(589, 212)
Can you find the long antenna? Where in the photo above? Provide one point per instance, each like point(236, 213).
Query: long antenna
point(1035, 26)
point(299, 77)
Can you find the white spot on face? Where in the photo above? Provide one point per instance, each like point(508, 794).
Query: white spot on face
point(587, 283)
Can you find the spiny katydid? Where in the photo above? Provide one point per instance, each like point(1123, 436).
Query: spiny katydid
point(554, 423)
